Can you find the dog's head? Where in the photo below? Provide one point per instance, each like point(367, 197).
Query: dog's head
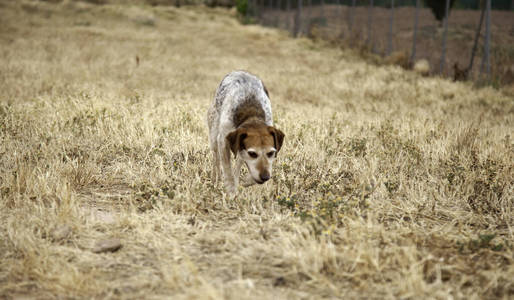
point(258, 146)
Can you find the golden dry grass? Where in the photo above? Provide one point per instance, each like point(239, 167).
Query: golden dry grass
point(390, 185)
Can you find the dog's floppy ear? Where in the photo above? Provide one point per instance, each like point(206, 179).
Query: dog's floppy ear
point(278, 137)
point(235, 140)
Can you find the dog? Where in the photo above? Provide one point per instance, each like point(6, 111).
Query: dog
point(459, 74)
point(240, 121)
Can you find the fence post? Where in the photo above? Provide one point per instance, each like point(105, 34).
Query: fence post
point(322, 9)
point(351, 18)
point(298, 19)
point(288, 9)
point(258, 7)
point(250, 9)
point(277, 13)
point(390, 36)
point(340, 17)
point(370, 20)
point(445, 22)
point(485, 57)
point(309, 11)
point(416, 17)
point(477, 36)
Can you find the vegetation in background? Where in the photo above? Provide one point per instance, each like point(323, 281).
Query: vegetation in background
point(242, 7)
point(438, 8)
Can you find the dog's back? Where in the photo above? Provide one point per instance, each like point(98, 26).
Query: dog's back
point(239, 96)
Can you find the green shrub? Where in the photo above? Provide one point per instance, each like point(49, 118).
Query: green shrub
point(242, 7)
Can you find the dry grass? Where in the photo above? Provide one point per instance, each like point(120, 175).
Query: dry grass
point(389, 185)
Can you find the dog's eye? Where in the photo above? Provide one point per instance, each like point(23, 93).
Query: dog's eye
point(270, 154)
point(252, 154)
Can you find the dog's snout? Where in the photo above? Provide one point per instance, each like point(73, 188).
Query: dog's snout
point(265, 176)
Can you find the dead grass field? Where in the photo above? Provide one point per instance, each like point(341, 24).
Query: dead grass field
point(389, 185)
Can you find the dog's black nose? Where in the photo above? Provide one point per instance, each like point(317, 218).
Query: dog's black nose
point(265, 177)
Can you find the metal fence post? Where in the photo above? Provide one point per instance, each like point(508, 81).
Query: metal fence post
point(477, 36)
point(288, 9)
point(370, 21)
point(258, 7)
point(487, 43)
point(298, 19)
point(338, 15)
point(443, 52)
point(250, 9)
point(416, 17)
point(277, 13)
point(390, 35)
point(323, 9)
point(309, 11)
point(351, 18)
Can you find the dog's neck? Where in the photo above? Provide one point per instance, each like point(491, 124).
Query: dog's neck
point(253, 122)
point(248, 112)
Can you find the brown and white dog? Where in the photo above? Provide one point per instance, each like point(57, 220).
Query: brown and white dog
point(240, 121)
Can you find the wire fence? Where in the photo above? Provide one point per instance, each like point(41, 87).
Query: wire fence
point(475, 44)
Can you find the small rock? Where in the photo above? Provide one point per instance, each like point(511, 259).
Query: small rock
point(104, 217)
point(61, 232)
point(279, 281)
point(422, 67)
point(110, 245)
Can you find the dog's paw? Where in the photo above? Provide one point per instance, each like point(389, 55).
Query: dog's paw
point(247, 183)
point(231, 190)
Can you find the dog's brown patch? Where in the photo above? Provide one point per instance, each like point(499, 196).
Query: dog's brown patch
point(258, 136)
point(249, 109)
point(235, 140)
point(278, 137)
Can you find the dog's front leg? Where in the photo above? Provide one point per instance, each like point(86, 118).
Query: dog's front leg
point(237, 170)
point(248, 181)
point(228, 176)
point(215, 174)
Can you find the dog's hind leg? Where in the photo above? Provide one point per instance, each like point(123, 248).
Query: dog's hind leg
point(213, 141)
